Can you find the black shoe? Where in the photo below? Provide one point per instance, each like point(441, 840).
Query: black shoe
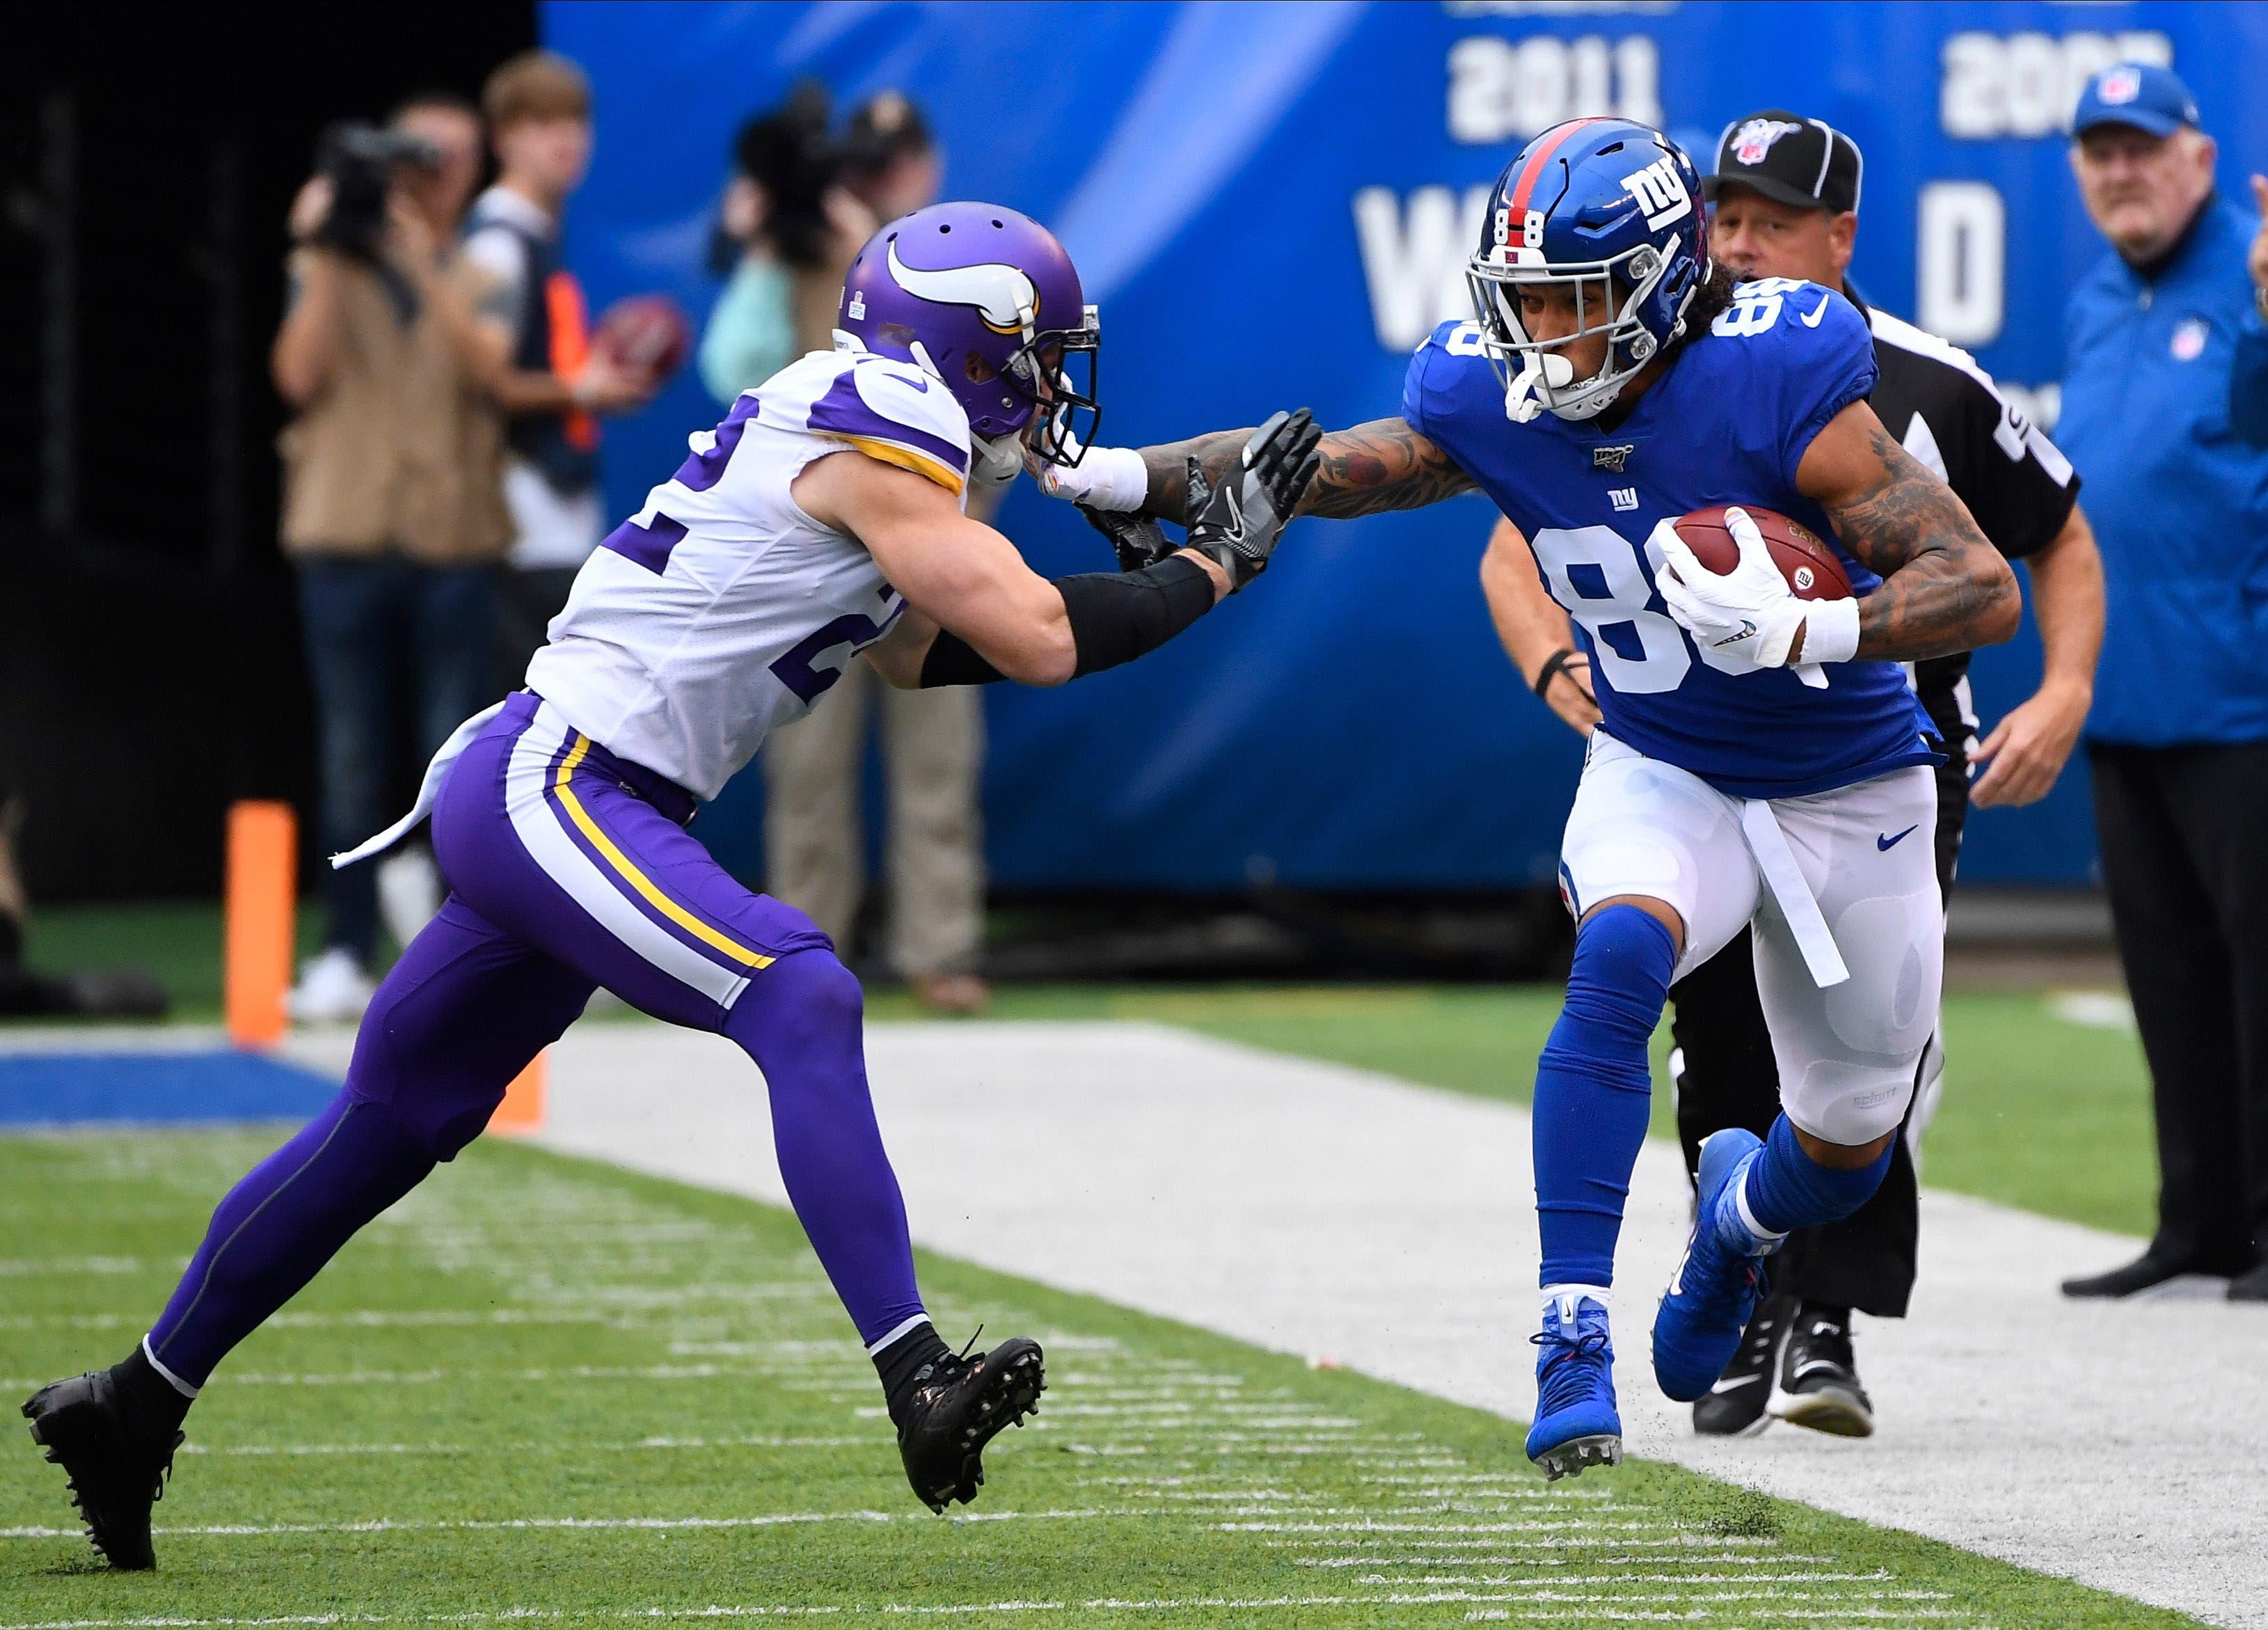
point(2250, 1287)
point(1735, 1406)
point(1819, 1378)
point(959, 1405)
point(2146, 1271)
point(116, 1472)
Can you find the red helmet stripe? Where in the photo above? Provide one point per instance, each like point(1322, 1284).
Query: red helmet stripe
point(1518, 202)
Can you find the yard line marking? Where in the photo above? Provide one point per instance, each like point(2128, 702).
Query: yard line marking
point(392, 1525)
point(368, 1319)
point(1095, 1604)
point(418, 1377)
point(1100, 1604)
point(546, 1447)
point(25, 1267)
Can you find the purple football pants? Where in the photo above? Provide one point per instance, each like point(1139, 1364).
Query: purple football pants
point(568, 869)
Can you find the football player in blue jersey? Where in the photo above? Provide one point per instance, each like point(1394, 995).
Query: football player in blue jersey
point(1762, 760)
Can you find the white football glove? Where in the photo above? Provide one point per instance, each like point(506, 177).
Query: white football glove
point(1748, 618)
point(1105, 478)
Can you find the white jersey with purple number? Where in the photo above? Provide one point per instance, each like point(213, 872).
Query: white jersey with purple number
point(720, 609)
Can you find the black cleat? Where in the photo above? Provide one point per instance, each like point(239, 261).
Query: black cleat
point(959, 1405)
point(116, 1472)
point(1819, 1377)
point(1735, 1406)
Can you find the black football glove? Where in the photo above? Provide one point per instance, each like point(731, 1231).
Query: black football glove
point(1138, 539)
point(1237, 523)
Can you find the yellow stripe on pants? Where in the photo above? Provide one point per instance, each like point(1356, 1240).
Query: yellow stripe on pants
point(637, 879)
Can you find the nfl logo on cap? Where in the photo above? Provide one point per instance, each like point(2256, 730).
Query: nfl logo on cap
point(2119, 86)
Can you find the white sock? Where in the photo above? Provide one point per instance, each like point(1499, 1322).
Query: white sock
point(1567, 1298)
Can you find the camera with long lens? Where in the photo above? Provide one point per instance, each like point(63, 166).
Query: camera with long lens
point(360, 161)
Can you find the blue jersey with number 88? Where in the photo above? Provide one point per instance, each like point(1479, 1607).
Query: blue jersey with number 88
point(1728, 423)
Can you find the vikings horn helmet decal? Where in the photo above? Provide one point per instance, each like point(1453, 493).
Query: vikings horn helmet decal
point(986, 302)
point(1002, 295)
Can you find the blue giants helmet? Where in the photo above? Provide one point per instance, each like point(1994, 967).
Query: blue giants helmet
point(1590, 202)
point(984, 300)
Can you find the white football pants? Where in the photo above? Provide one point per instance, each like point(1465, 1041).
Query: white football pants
point(1841, 888)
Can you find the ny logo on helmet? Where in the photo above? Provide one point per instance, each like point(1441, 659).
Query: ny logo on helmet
point(1661, 192)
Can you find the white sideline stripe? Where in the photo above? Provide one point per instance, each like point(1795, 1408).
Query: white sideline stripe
point(547, 844)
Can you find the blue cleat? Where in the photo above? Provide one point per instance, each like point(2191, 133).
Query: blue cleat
point(1697, 1332)
point(1576, 1423)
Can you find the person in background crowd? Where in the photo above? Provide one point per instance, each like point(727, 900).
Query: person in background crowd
point(1787, 193)
point(778, 223)
point(25, 993)
point(933, 741)
point(392, 510)
point(2165, 404)
point(557, 385)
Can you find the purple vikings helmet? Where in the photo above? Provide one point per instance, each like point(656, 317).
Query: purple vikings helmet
point(986, 300)
point(1587, 202)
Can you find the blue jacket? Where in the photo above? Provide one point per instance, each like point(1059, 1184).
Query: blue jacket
point(2165, 412)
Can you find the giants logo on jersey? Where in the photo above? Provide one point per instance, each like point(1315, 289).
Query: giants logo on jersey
point(1661, 192)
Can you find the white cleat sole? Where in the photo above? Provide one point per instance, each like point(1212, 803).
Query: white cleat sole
point(1830, 1410)
point(1570, 1458)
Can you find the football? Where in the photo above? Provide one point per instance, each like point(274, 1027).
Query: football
point(646, 333)
point(1804, 559)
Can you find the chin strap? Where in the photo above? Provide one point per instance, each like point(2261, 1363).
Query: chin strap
point(1521, 402)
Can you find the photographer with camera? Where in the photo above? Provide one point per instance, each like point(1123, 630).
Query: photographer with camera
point(392, 510)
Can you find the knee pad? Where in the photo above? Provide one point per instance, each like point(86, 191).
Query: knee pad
point(1846, 1101)
point(1623, 958)
point(805, 996)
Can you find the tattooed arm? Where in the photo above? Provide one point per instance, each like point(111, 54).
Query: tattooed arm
point(1379, 466)
point(1944, 587)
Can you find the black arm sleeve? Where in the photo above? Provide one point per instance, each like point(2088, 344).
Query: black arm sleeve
point(1115, 617)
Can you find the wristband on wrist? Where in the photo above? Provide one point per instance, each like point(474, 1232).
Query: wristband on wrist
point(1553, 666)
point(1830, 630)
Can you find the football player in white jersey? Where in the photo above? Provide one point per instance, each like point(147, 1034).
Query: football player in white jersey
point(823, 520)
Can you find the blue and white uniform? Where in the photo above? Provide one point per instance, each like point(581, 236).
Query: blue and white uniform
point(1731, 796)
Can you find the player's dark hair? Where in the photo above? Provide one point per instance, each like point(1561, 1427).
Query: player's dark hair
point(1710, 301)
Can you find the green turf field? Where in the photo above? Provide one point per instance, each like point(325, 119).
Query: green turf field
point(2039, 1112)
point(543, 1390)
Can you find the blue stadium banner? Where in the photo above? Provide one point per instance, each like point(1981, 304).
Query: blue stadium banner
point(1272, 203)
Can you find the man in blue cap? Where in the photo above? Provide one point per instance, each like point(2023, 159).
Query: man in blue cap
point(2165, 407)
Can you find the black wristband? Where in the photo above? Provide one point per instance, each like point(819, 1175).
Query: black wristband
point(1554, 666)
point(952, 661)
point(1118, 616)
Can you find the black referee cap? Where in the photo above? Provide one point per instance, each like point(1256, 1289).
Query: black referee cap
point(1789, 159)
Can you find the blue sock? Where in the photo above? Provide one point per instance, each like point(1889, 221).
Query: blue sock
point(1788, 1189)
point(1593, 1088)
